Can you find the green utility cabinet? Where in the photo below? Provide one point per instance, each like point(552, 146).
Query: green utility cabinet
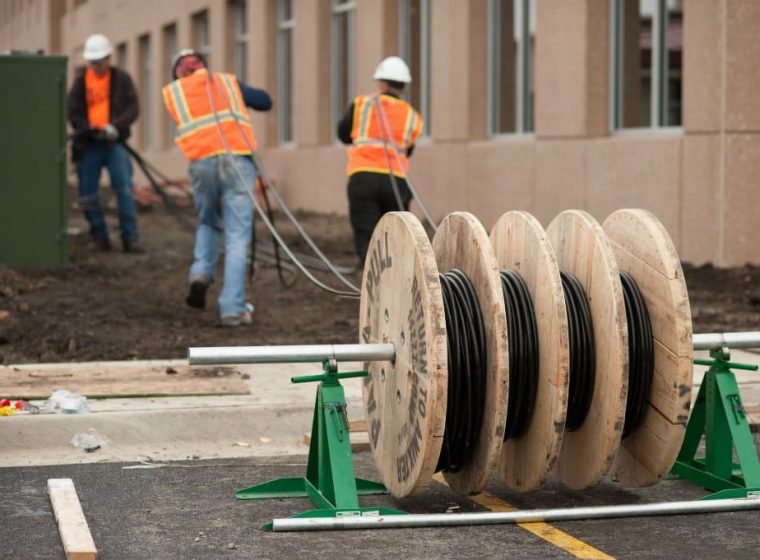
point(33, 157)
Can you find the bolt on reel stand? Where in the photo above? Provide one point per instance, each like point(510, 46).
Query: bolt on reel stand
point(330, 482)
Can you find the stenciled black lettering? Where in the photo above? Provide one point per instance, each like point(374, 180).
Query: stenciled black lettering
point(374, 431)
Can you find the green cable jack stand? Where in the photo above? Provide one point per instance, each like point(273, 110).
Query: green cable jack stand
point(330, 482)
point(719, 414)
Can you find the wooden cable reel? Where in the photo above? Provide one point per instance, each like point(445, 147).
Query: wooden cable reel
point(402, 303)
point(643, 248)
point(520, 243)
point(582, 249)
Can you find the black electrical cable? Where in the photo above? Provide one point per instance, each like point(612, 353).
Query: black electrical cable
point(467, 370)
point(582, 356)
point(278, 259)
point(523, 353)
point(640, 354)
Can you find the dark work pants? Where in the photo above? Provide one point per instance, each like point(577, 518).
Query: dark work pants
point(370, 195)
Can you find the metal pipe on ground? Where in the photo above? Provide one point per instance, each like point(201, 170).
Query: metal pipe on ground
point(526, 516)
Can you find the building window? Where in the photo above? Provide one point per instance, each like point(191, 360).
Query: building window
point(169, 49)
point(285, 26)
point(511, 44)
point(239, 34)
point(415, 50)
point(121, 56)
point(343, 42)
point(646, 63)
point(146, 91)
point(200, 35)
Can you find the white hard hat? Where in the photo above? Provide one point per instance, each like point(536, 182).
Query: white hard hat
point(97, 47)
point(393, 69)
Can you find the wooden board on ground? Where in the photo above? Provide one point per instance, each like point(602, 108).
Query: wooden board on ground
point(644, 249)
point(461, 242)
point(104, 381)
point(583, 250)
point(404, 400)
point(753, 416)
point(520, 243)
point(72, 525)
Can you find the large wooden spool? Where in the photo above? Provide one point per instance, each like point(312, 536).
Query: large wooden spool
point(520, 243)
point(583, 250)
point(461, 242)
point(643, 248)
point(405, 401)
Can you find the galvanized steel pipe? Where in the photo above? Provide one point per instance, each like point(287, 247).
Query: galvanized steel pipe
point(386, 352)
point(731, 340)
point(291, 354)
point(494, 518)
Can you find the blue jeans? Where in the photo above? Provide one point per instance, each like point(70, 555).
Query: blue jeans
point(115, 158)
point(223, 201)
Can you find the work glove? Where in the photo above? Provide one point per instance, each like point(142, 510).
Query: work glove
point(110, 133)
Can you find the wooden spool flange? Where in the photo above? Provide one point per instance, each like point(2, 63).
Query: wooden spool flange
point(644, 249)
point(583, 250)
point(520, 243)
point(462, 242)
point(404, 401)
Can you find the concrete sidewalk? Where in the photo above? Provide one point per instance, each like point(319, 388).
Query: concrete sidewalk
point(270, 421)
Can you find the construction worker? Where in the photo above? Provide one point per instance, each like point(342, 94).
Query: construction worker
point(215, 134)
point(377, 126)
point(102, 106)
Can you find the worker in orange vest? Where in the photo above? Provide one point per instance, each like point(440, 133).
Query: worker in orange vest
point(215, 134)
point(376, 126)
point(102, 106)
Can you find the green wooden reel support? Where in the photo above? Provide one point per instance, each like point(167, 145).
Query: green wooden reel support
point(330, 482)
point(719, 414)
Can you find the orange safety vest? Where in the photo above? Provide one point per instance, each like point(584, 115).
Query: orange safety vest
point(187, 100)
point(98, 91)
point(368, 150)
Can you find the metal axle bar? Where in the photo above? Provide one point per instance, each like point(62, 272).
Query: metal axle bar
point(387, 352)
point(730, 340)
point(494, 518)
point(291, 354)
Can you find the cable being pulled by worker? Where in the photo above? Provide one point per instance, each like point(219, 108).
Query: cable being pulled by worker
point(219, 146)
point(382, 129)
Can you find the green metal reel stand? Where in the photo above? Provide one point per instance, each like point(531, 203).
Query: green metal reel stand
point(719, 414)
point(330, 482)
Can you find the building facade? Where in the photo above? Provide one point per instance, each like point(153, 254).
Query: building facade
point(538, 105)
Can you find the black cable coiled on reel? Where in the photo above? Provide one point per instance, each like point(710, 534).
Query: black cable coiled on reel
point(640, 354)
point(523, 353)
point(582, 352)
point(467, 370)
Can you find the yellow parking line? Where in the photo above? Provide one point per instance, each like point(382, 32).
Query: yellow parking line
point(550, 534)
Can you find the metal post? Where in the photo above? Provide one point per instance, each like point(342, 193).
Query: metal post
point(493, 518)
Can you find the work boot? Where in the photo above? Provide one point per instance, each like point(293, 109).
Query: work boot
point(241, 320)
point(132, 246)
point(103, 244)
point(197, 296)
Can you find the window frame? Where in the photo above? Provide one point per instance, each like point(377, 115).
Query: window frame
point(659, 84)
point(524, 13)
point(339, 9)
point(285, 31)
point(145, 60)
point(405, 50)
point(240, 38)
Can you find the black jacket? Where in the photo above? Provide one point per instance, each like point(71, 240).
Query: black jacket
point(124, 108)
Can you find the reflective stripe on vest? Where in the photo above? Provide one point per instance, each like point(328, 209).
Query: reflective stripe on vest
point(368, 151)
point(198, 127)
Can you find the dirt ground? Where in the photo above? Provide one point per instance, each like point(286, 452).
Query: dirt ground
point(115, 306)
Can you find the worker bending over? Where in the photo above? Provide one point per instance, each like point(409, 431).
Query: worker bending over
point(371, 158)
point(215, 134)
point(102, 106)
